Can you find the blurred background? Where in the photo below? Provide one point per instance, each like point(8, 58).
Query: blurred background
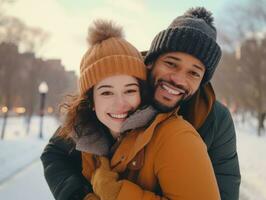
point(41, 45)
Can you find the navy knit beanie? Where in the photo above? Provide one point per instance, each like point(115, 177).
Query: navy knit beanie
point(192, 33)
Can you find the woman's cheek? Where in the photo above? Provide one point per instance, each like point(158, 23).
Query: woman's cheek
point(135, 100)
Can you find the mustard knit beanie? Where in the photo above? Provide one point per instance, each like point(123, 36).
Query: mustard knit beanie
point(109, 54)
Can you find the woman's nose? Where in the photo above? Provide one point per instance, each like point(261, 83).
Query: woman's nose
point(121, 103)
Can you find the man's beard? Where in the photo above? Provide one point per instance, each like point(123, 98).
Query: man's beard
point(160, 106)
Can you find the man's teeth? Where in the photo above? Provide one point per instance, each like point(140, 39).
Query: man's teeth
point(170, 90)
point(118, 116)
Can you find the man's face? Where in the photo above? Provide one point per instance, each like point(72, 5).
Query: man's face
point(175, 77)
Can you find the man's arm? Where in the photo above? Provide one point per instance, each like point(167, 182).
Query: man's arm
point(223, 154)
point(62, 170)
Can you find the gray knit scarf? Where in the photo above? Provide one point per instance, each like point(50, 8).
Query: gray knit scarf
point(92, 141)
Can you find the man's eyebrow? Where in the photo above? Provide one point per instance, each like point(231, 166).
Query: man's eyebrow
point(178, 59)
point(199, 67)
point(104, 86)
point(173, 57)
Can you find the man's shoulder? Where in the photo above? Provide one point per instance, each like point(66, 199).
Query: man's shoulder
point(219, 121)
point(219, 112)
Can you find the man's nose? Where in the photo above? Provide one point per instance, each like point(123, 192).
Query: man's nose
point(178, 78)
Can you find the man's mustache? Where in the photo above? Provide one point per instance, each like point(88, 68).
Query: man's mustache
point(178, 86)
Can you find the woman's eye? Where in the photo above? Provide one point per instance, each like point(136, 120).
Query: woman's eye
point(107, 93)
point(131, 91)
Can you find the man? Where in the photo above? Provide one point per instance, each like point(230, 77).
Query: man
point(181, 62)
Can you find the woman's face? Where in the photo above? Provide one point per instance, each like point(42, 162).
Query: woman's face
point(114, 99)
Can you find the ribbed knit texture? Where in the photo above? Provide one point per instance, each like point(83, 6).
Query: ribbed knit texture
point(189, 35)
point(113, 56)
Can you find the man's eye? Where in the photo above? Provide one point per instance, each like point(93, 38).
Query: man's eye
point(195, 74)
point(170, 64)
point(107, 93)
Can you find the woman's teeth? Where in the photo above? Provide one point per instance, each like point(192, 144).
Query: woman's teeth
point(170, 90)
point(118, 116)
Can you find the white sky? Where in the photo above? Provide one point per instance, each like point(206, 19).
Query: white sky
point(67, 21)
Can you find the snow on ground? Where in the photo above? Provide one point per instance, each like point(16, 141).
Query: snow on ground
point(252, 158)
point(16, 127)
point(28, 184)
point(18, 150)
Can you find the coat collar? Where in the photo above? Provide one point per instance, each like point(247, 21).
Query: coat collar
point(197, 109)
point(130, 148)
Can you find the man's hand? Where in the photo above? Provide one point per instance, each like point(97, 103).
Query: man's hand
point(105, 182)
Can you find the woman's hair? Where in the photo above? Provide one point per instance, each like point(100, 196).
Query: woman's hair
point(79, 112)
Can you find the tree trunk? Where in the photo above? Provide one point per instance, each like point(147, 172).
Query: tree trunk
point(261, 118)
point(6, 114)
point(243, 117)
point(28, 123)
point(4, 125)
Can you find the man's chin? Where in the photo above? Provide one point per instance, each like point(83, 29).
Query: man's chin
point(164, 108)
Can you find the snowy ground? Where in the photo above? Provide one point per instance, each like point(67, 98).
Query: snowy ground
point(18, 150)
point(252, 158)
point(27, 184)
point(21, 173)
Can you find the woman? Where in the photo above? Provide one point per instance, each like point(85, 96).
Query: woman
point(159, 161)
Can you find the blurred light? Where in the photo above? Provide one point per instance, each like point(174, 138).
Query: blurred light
point(238, 52)
point(50, 109)
point(4, 109)
point(20, 110)
point(43, 88)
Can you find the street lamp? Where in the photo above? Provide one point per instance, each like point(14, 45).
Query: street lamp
point(43, 89)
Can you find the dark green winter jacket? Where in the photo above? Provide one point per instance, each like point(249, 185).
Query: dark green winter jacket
point(221, 144)
point(62, 163)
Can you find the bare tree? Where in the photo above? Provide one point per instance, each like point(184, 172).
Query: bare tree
point(14, 31)
point(242, 33)
point(11, 29)
point(10, 77)
point(252, 63)
point(32, 67)
point(33, 40)
point(241, 20)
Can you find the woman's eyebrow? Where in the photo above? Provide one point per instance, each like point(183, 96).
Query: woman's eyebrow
point(131, 84)
point(104, 86)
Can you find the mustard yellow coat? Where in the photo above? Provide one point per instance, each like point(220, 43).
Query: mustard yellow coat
point(167, 160)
